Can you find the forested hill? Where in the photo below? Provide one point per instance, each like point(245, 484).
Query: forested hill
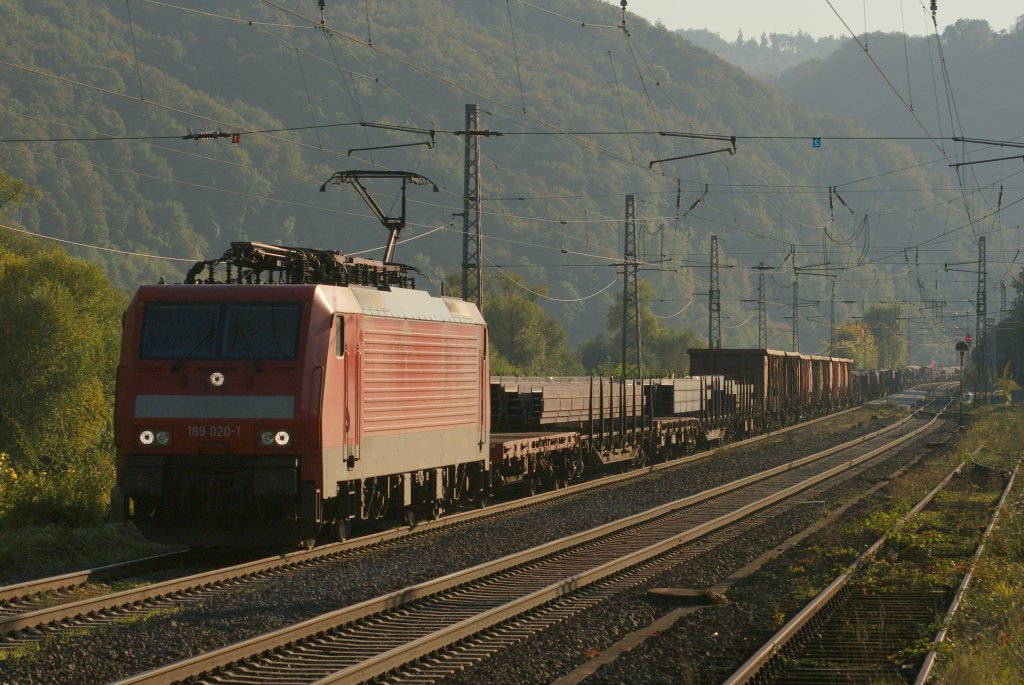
point(987, 84)
point(578, 103)
point(768, 55)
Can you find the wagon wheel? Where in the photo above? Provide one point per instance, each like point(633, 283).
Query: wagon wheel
point(576, 467)
point(409, 517)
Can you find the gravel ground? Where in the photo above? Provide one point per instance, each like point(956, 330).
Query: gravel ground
point(709, 644)
point(217, 619)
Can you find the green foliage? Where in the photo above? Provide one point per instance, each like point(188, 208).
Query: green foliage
point(769, 55)
point(499, 365)
point(997, 430)
point(1009, 334)
point(1006, 384)
point(985, 92)
point(56, 427)
point(14, 191)
point(28, 551)
point(663, 348)
point(881, 522)
point(855, 340)
point(987, 637)
point(528, 340)
point(887, 323)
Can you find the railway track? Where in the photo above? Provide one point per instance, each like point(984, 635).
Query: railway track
point(79, 599)
point(854, 632)
point(20, 598)
point(377, 636)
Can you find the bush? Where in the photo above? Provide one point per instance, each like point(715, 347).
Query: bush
point(35, 551)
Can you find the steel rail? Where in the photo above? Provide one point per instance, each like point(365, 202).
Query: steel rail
point(439, 665)
point(750, 668)
point(392, 659)
point(947, 620)
point(112, 601)
point(65, 581)
point(384, 662)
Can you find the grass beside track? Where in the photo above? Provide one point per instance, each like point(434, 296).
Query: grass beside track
point(986, 643)
point(36, 551)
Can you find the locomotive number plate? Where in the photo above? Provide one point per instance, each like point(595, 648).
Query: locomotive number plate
point(214, 431)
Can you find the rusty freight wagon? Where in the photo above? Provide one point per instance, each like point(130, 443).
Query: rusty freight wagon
point(786, 386)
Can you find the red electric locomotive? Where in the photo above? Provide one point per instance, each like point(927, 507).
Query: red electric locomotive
point(300, 388)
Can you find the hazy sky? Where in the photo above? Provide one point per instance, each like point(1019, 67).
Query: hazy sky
point(727, 17)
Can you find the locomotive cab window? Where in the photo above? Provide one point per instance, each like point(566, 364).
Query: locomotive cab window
point(207, 330)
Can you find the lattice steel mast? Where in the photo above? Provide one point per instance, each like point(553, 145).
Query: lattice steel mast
point(472, 248)
point(762, 316)
point(630, 294)
point(981, 310)
point(714, 300)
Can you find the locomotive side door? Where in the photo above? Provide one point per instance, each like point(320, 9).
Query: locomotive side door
point(350, 376)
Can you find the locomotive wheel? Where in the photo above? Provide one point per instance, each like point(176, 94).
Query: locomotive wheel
point(531, 486)
point(342, 529)
point(409, 517)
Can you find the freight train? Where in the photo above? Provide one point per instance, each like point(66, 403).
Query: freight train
point(281, 391)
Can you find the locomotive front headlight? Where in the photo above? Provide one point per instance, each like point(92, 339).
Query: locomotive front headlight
point(146, 437)
point(266, 438)
point(163, 438)
point(282, 438)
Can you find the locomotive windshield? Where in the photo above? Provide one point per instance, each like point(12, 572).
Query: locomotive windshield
point(210, 330)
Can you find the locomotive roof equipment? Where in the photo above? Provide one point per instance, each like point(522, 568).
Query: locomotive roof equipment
point(248, 263)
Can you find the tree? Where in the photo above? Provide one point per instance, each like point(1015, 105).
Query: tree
point(525, 336)
point(855, 340)
point(887, 324)
point(57, 366)
point(1009, 332)
point(663, 348)
point(14, 191)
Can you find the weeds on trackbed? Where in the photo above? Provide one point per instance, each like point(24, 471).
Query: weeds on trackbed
point(986, 643)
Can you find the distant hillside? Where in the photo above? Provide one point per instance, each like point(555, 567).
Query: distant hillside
point(767, 56)
point(554, 183)
point(982, 64)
